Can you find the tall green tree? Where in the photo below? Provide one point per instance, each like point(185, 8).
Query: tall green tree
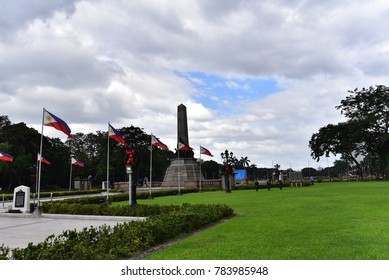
point(211, 169)
point(342, 167)
point(370, 108)
point(344, 138)
point(308, 172)
point(24, 143)
point(244, 162)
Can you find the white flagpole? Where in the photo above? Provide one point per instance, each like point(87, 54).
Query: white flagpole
point(151, 164)
point(200, 169)
point(70, 180)
point(40, 161)
point(107, 184)
point(36, 174)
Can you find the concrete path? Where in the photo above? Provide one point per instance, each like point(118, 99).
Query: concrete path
point(17, 230)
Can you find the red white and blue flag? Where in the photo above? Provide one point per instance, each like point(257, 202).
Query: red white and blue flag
point(6, 157)
point(183, 147)
point(42, 159)
point(114, 134)
point(77, 162)
point(156, 143)
point(205, 151)
point(50, 119)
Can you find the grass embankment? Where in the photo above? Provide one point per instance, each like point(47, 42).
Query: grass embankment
point(326, 221)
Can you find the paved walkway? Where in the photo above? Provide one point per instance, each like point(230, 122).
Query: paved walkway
point(17, 230)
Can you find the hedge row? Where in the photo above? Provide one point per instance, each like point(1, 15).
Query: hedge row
point(124, 240)
point(61, 207)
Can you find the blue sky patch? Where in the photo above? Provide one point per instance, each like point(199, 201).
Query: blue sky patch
point(217, 92)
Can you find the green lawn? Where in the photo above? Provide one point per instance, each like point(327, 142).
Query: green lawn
point(333, 221)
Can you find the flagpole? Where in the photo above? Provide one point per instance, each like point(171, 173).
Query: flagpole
point(107, 184)
point(70, 180)
point(151, 164)
point(40, 161)
point(36, 174)
point(200, 169)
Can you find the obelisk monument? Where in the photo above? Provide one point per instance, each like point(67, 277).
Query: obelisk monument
point(182, 131)
point(184, 170)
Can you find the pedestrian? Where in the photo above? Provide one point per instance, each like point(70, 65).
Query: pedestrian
point(268, 184)
point(256, 185)
point(280, 178)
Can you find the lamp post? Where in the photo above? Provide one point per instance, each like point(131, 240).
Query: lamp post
point(134, 138)
point(227, 160)
point(129, 172)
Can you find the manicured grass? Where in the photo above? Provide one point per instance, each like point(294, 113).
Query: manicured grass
point(333, 221)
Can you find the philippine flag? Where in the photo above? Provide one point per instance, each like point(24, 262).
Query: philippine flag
point(114, 134)
point(183, 147)
point(156, 143)
point(204, 151)
point(77, 162)
point(6, 157)
point(40, 158)
point(52, 120)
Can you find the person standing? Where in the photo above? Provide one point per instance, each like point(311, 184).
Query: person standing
point(269, 180)
point(280, 179)
point(268, 184)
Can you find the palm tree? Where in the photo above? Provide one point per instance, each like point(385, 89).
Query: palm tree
point(244, 162)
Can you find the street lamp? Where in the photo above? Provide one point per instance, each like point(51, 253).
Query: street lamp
point(227, 160)
point(129, 172)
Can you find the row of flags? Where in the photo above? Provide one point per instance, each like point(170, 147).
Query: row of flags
point(52, 120)
point(155, 142)
point(59, 124)
point(7, 157)
point(73, 161)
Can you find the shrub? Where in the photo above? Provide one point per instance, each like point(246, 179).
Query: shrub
point(124, 240)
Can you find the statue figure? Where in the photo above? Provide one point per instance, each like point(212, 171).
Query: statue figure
point(130, 160)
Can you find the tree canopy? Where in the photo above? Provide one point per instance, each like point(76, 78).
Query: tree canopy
point(366, 130)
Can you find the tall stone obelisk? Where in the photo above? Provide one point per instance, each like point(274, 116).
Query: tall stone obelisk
point(182, 131)
point(184, 170)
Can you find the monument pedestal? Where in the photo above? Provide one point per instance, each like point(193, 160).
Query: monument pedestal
point(228, 182)
point(189, 169)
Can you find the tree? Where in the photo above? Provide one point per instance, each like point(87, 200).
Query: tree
point(23, 143)
point(244, 162)
point(343, 138)
point(211, 169)
point(372, 165)
point(370, 108)
point(342, 167)
point(308, 172)
point(4, 121)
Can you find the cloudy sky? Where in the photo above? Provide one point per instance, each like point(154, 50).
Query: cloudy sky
point(257, 77)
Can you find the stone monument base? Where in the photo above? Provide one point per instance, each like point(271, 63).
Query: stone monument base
point(189, 169)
